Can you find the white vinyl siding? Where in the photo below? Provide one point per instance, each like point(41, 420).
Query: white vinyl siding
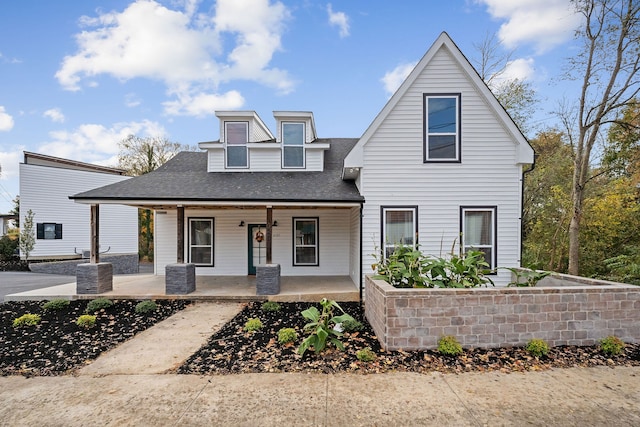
point(354, 245)
point(46, 190)
point(231, 240)
point(264, 157)
point(394, 172)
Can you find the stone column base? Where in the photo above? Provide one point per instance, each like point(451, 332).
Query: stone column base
point(268, 279)
point(180, 279)
point(94, 278)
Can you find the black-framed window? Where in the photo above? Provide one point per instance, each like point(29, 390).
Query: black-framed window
point(201, 241)
point(305, 242)
point(478, 227)
point(48, 231)
point(399, 227)
point(442, 128)
point(293, 144)
point(236, 138)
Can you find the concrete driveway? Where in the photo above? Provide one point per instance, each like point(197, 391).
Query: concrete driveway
point(12, 282)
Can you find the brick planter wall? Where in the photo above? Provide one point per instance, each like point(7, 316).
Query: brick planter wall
point(578, 314)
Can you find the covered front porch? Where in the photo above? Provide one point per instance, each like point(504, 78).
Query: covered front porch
point(232, 288)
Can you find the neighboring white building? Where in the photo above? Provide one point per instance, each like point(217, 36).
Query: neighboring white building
point(62, 226)
point(441, 160)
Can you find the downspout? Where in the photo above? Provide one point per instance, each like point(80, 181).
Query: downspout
point(524, 173)
point(361, 260)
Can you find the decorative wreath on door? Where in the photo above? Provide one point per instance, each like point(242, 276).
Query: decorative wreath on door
point(259, 236)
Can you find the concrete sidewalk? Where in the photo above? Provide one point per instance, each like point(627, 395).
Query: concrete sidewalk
point(129, 386)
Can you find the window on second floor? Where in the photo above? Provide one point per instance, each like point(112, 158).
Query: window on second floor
point(236, 138)
point(293, 145)
point(442, 128)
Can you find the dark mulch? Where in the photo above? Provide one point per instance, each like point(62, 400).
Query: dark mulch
point(14, 264)
point(232, 350)
point(58, 345)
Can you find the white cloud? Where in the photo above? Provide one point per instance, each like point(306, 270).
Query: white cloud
point(95, 143)
point(339, 19)
point(6, 121)
point(394, 78)
point(131, 100)
point(181, 48)
point(202, 104)
point(10, 162)
point(55, 115)
point(521, 69)
point(544, 23)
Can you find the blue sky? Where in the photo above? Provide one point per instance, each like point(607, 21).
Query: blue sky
point(77, 77)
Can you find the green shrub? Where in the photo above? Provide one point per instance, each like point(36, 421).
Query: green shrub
point(352, 325)
point(146, 307)
point(322, 327)
point(270, 306)
point(611, 345)
point(8, 246)
point(26, 320)
point(449, 346)
point(366, 355)
point(537, 347)
point(86, 321)
point(56, 304)
point(287, 335)
point(253, 324)
point(98, 304)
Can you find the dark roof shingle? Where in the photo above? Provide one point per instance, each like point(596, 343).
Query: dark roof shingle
point(185, 178)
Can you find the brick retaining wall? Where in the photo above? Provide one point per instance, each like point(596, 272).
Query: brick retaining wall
point(413, 319)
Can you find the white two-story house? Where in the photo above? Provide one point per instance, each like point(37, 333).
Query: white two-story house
point(440, 166)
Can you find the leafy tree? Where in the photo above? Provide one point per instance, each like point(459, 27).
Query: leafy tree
point(517, 96)
point(16, 210)
point(27, 235)
point(547, 204)
point(139, 156)
point(608, 65)
point(622, 153)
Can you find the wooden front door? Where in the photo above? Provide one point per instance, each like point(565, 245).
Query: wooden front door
point(257, 246)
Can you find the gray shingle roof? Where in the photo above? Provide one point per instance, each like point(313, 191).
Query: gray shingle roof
point(185, 178)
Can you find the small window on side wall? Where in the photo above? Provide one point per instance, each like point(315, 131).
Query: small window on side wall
point(293, 145)
point(442, 128)
point(478, 228)
point(305, 242)
point(48, 231)
point(399, 227)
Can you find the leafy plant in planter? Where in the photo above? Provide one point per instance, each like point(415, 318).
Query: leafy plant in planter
point(407, 267)
point(322, 327)
point(526, 277)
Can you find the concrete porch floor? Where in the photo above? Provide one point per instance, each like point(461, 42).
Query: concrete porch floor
point(231, 288)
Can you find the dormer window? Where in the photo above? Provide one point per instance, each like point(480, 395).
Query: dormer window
point(236, 138)
point(293, 145)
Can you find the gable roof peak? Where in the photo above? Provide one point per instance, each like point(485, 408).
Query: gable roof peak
point(525, 152)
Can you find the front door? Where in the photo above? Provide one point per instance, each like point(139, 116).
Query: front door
point(257, 246)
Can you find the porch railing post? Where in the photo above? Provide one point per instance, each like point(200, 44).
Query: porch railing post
point(95, 234)
point(269, 233)
point(180, 236)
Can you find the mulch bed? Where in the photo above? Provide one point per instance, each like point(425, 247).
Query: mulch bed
point(232, 350)
point(58, 345)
